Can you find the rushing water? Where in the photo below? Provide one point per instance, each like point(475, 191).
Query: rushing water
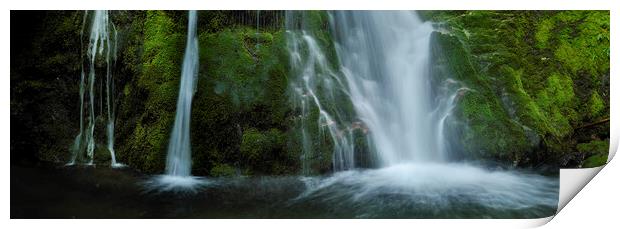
point(393, 192)
point(384, 72)
point(179, 159)
point(430, 190)
point(385, 57)
point(102, 44)
point(318, 87)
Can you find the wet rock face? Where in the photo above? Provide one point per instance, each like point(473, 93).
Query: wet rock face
point(533, 79)
point(45, 66)
point(526, 80)
point(242, 85)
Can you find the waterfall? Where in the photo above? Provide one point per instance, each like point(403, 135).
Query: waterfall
point(387, 70)
point(383, 71)
point(179, 159)
point(101, 44)
point(317, 87)
point(178, 176)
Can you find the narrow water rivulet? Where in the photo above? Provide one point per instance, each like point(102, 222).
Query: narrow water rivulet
point(101, 44)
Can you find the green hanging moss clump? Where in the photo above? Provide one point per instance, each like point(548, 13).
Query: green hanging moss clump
point(156, 87)
point(550, 70)
point(597, 152)
point(241, 89)
point(486, 130)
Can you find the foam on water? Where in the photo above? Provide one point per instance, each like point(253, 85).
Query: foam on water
point(177, 184)
point(434, 186)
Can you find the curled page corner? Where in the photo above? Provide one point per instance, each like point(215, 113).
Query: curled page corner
point(613, 140)
point(538, 222)
point(572, 181)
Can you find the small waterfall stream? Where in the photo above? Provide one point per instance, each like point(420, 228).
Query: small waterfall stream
point(179, 160)
point(178, 177)
point(318, 87)
point(101, 44)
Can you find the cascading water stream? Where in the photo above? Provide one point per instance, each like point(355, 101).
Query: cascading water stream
point(178, 176)
point(387, 69)
point(179, 159)
point(385, 74)
point(103, 36)
point(384, 61)
point(317, 87)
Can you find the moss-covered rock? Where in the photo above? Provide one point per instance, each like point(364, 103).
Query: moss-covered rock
point(44, 93)
point(262, 149)
point(597, 151)
point(594, 147)
point(550, 71)
point(156, 89)
point(485, 130)
point(222, 170)
point(242, 86)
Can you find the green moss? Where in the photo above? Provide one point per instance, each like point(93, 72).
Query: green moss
point(255, 144)
point(157, 84)
point(102, 154)
point(595, 161)
point(557, 101)
point(486, 130)
point(550, 80)
point(223, 170)
point(596, 106)
point(265, 151)
point(544, 32)
point(490, 133)
point(583, 41)
point(594, 147)
point(239, 68)
point(163, 45)
point(598, 151)
point(541, 72)
point(243, 81)
point(242, 86)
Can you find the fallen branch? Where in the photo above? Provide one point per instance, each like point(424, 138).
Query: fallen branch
point(594, 123)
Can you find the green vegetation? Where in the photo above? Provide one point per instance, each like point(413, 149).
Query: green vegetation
point(488, 131)
point(157, 88)
point(597, 152)
point(549, 70)
point(529, 82)
point(222, 170)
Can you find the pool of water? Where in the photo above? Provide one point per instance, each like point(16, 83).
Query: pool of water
point(401, 191)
